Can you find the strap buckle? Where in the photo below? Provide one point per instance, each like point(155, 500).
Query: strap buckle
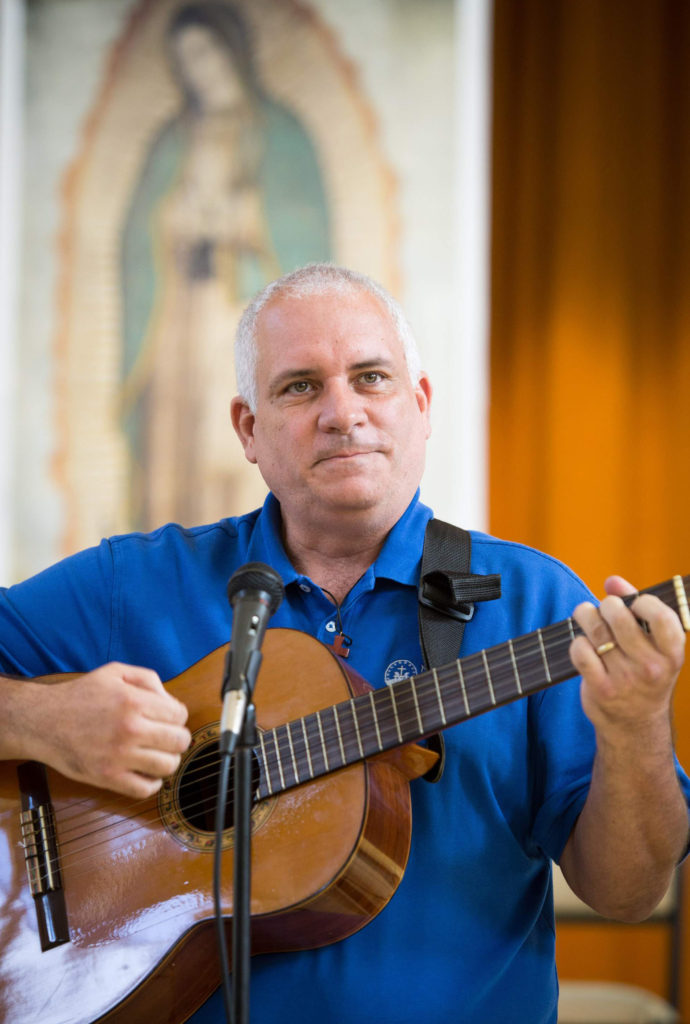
point(454, 594)
point(430, 598)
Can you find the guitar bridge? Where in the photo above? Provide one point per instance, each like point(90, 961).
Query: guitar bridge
point(42, 855)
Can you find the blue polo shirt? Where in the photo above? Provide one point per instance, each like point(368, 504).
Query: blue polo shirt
point(469, 934)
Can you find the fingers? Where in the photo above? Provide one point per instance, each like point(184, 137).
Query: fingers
point(629, 656)
point(117, 728)
point(150, 736)
point(636, 629)
point(146, 748)
point(167, 708)
point(619, 587)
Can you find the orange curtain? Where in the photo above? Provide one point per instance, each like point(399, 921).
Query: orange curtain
point(590, 338)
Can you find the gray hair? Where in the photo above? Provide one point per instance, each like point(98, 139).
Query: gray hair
point(315, 279)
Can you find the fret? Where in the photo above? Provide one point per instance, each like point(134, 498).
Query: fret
point(364, 713)
point(388, 726)
point(376, 719)
point(292, 752)
point(515, 668)
point(331, 732)
point(323, 742)
point(488, 678)
point(278, 760)
point(348, 732)
point(284, 762)
point(410, 710)
point(557, 640)
point(413, 687)
point(355, 725)
point(425, 708)
point(336, 718)
point(438, 693)
point(306, 747)
point(264, 761)
point(317, 750)
point(543, 654)
point(461, 675)
point(300, 750)
point(392, 691)
point(530, 662)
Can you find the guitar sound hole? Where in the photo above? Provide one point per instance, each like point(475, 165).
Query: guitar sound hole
point(198, 789)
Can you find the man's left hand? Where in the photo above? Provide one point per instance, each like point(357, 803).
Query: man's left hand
point(628, 671)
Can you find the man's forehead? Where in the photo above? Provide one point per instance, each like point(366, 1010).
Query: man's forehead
point(304, 330)
point(284, 308)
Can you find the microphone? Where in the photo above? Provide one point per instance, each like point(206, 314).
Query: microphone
point(255, 591)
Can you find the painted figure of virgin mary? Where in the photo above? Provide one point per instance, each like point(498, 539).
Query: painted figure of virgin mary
point(230, 196)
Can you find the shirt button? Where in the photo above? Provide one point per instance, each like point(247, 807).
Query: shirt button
point(330, 626)
point(305, 587)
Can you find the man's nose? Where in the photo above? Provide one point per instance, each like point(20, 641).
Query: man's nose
point(341, 408)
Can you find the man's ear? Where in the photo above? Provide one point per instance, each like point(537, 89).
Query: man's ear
point(243, 421)
point(423, 396)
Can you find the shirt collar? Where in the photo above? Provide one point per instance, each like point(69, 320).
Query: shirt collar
point(398, 560)
point(401, 555)
point(266, 544)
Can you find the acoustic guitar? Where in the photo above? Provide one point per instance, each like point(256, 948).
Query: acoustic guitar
point(107, 909)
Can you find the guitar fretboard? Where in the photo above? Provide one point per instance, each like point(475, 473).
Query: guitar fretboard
point(413, 708)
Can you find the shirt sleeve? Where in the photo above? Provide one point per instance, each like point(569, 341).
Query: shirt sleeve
point(564, 750)
point(564, 747)
point(561, 738)
point(60, 620)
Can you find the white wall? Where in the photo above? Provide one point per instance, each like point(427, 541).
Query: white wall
point(11, 161)
point(434, 77)
point(467, 494)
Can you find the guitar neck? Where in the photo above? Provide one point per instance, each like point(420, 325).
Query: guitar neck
point(413, 708)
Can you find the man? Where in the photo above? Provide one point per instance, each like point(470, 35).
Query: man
point(335, 412)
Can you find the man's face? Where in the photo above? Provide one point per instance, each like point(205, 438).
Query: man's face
point(338, 426)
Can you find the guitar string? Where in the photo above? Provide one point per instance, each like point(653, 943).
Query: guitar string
point(496, 668)
point(106, 825)
point(540, 643)
point(479, 674)
point(155, 819)
point(272, 759)
point(546, 631)
point(423, 681)
point(69, 821)
point(133, 811)
point(471, 687)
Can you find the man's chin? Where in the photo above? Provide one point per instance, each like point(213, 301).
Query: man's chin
point(353, 495)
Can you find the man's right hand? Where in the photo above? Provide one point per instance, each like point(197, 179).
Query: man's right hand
point(116, 727)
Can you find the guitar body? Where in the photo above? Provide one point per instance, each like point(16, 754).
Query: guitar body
point(137, 878)
point(107, 905)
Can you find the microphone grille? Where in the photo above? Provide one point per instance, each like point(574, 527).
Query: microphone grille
point(257, 576)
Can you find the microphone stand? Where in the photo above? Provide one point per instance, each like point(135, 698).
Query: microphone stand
point(254, 591)
point(238, 742)
point(241, 916)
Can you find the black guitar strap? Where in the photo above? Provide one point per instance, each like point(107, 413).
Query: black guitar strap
point(447, 594)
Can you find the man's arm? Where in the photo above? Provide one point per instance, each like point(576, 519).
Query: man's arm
point(633, 828)
point(116, 727)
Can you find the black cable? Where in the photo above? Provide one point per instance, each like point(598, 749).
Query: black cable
point(223, 779)
point(347, 640)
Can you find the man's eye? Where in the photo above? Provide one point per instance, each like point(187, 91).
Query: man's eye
point(371, 377)
point(299, 387)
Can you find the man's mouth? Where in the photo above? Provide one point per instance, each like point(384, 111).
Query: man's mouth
point(344, 455)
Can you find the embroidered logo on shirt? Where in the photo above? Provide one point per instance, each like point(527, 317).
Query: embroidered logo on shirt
point(400, 669)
